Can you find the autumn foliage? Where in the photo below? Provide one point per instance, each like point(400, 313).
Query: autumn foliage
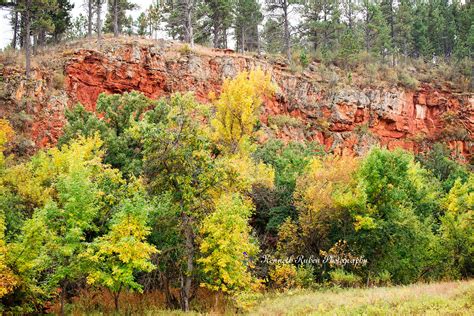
point(176, 197)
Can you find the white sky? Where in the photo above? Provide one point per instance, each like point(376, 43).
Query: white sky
point(6, 32)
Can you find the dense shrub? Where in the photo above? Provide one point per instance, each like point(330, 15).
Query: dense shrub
point(342, 278)
point(283, 276)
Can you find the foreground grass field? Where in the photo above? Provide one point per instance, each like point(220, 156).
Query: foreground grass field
point(446, 298)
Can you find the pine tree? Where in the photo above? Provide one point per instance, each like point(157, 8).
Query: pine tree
point(421, 43)
point(218, 15)
point(61, 18)
point(142, 24)
point(272, 36)
point(247, 19)
point(180, 20)
point(281, 10)
point(404, 27)
point(350, 9)
point(154, 17)
point(464, 40)
point(116, 19)
point(322, 23)
point(376, 30)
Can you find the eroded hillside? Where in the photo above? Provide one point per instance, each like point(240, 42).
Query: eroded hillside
point(342, 111)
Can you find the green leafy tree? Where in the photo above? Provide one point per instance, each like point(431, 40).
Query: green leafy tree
point(289, 162)
point(456, 243)
point(124, 250)
point(118, 128)
point(438, 160)
point(67, 214)
point(327, 197)
point(389, 232)
point(8, 280)
point(179, 162)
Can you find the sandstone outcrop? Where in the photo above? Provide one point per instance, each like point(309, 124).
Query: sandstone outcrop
point(343, 118)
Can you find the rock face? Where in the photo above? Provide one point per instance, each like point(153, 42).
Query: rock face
point(34, 107)
point(343, 118)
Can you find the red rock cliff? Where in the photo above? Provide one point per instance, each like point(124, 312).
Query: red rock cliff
point(344, 118)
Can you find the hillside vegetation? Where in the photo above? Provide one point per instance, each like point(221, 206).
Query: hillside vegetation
point(322, 167)
point(178, 197)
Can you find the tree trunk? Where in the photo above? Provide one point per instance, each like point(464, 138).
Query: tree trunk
point(99, 26)
point(41, 38)
point(224, 38)
point(15, 28)
point(170, 299)
point(89, 18)
point(27, 39)
point(215, 32)
point(116, 301)
point(189, 36)
point(287, 30)
point(116, 30)
point(186, 279)
point(35, 44)
point(242, 40)
point(63, 298)
point(216, 301)
point(258, 42)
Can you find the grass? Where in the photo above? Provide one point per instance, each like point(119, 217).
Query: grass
point(443, 298)
point(446, 298)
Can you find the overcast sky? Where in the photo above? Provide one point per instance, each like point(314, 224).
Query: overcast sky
point(6, 32)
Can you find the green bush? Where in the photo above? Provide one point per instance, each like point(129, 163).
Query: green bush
point(185, 50)
point(342, 278)
point(304, 276)
point(304, 60)
point(383, 278)
point(281, 120)
point(407, 81)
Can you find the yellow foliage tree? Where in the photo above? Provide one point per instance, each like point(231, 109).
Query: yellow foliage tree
point(31, 181)
point(325, 195)
point(237, 110)
point(227, 247)
point(8, 280)
point(6, 134)
point(238, 106)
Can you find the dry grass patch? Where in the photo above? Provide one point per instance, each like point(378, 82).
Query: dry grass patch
point(447, 298)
